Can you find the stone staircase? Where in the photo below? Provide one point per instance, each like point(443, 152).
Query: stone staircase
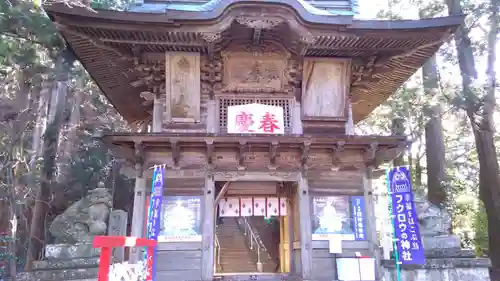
point(269, 234)
point(235, 255)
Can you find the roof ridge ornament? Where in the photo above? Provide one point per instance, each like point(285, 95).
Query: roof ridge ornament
point(259, 22)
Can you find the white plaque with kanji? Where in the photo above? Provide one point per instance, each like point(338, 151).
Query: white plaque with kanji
point(255, 118)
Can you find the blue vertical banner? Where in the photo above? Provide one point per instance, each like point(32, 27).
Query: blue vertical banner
point(154, 214)
point(358, 217)
point(406, 229)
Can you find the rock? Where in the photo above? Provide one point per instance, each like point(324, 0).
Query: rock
point(433, 220)
point(84, 219)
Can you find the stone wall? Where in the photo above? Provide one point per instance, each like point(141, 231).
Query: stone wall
point(446, 264)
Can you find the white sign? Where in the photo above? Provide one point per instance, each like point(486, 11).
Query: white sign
point(255, 119)
point(335, 244)
point(356, 269)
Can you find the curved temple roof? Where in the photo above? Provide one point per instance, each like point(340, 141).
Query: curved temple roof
point(211, 5)
point(110, 43)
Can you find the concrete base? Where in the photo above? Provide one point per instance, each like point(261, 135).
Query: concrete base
point(449, 269)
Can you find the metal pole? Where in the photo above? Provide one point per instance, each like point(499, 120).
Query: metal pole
point(395, 244)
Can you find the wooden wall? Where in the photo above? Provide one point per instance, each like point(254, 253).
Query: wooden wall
point(179, 261)
point(194, 84)
point(184, 104)
point(324, 263)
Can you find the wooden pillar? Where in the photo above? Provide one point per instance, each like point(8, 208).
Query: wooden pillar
point(305, 228)
point(297, 119)
point(212, 122)
point(289, 246)
point(138, 215)
point(371, 226)
point(207, 256)
point(157, 114)
point(282, 244)
point(349, 126)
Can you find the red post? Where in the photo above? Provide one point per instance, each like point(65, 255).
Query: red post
point(107, 243)
point(149, 263)
point(104, 264)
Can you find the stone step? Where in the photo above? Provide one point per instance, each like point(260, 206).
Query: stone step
point(450, 253)
point(66, 264)
point(59, 275)
point(264, 277)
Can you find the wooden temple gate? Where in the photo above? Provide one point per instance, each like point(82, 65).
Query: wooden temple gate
point(311, 166)
point(174, 72)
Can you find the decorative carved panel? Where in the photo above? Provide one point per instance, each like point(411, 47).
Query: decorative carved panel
point(182, 87)
point(261, 69)
point(325, 87)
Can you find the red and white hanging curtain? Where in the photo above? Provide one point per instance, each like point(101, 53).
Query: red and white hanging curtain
point(252, 206)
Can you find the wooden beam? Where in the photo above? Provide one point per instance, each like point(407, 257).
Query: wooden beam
point(306, 146)
point(273, 153)
point(176, 153)
point(241, 154)
point(223, 191)
point(255, 176)
point(151, 42)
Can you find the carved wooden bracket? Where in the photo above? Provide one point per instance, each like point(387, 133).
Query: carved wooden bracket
point(305, 154)
point(259, 22)
point(148, 97)
point(211, 39)
point(241, 155)
point(370, 153)
point(139, 158)
point(210, 152)
point(256, 36)
point(273, 153)
point(176, 154)
point(336, 150)
point(211, 76)
point(139, 152)
point(306, 41)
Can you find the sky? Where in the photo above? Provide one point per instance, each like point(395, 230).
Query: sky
point(370, 8)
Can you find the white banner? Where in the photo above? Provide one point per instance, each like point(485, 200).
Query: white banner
point(255, 119)
point(252, 206)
